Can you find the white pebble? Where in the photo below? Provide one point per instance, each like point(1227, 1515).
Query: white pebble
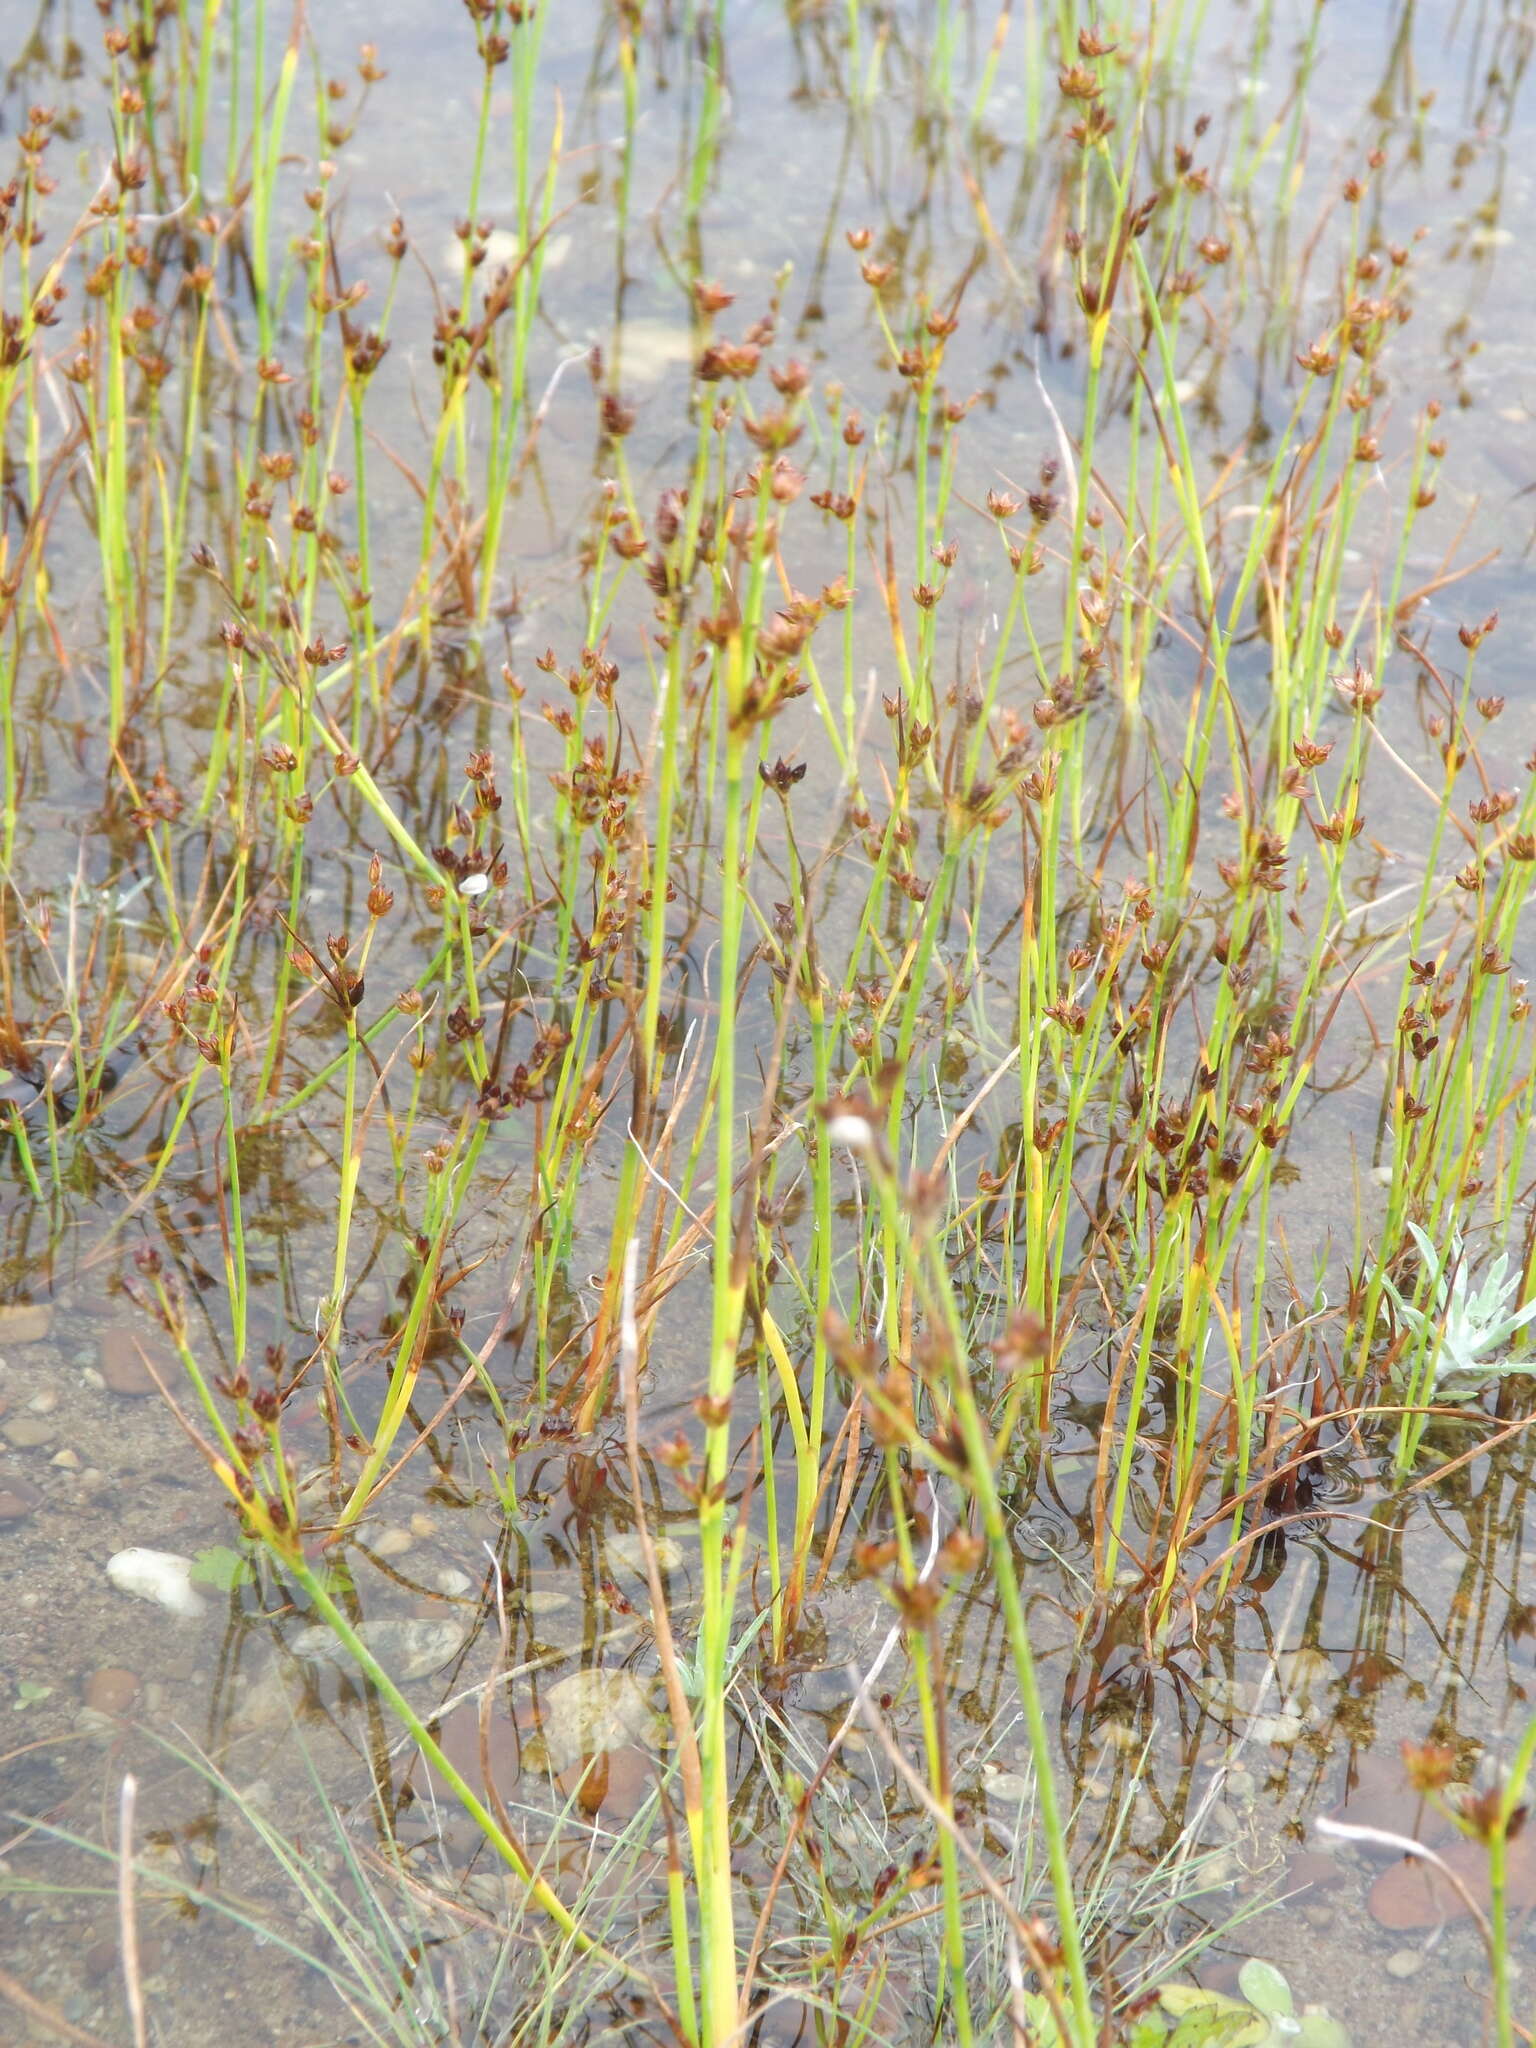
point(1009, 1788)
point(159, 1576)
point(850, 1130)
point(628, 1551)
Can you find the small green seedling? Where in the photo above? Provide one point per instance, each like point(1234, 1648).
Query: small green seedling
point(1264, 2017)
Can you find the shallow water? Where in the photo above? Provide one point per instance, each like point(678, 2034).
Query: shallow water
point(1413, 1600)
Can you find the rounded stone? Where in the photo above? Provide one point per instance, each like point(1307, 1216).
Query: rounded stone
point(112, 1689)
point(28, 1432)
point(160, 1576)
point(25, 1322)
point(121, 1358)
point(18, 1498)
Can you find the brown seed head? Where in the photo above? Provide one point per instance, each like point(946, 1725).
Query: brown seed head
point(1078, 82)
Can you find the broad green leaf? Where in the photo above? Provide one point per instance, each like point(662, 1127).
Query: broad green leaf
point(1209, 2020)
point(1319, 2029)
point(1042, 2021)
point(1264, 1987)
point(221, 1567)
point(1213, 2030)
point(1150, 2031)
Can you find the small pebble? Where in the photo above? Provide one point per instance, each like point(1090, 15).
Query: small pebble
point(25, 1322)
point(262, 1703)
point(18, 1498)
point(28, 1432)
point(485, 1888)
point(112, 1689)
point(316, 1485)
point(102, 1729)
point(501, 248)
point(423, 1525)
point(392, 1543)
point(406, 1649)
point(66, 1460)
point(94, 1380)
point(1312, 1868)
point(543, 1600)
point(627, 1551)
point(454, 1583)
point(1008, 1788)
point(43, 1403)
point(1280, 1729)
point(103, 1958)
point(1405, 1962)
point(121, 1354)
point(1117, 1735)
point(594, 1710)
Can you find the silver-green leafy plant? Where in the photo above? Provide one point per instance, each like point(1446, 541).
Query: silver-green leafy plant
point(1457, 1334)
